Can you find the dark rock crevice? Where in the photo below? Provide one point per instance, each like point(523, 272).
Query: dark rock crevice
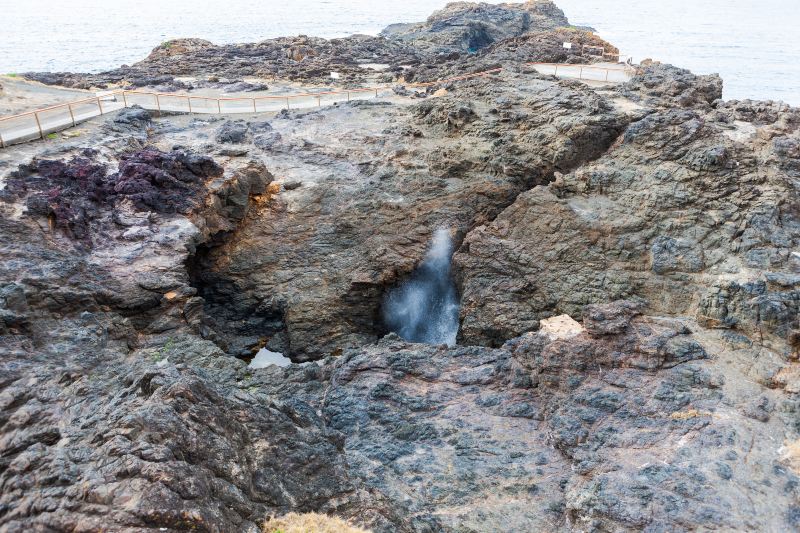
point(144, 207)
point(235, 321)
point(238, 323)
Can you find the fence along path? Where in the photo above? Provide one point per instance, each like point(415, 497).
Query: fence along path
point(41, 122)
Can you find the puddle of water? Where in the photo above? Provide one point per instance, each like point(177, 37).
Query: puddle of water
point(265, 358)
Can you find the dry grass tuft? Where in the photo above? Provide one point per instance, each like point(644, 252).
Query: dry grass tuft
point(309, 523)
point(687, 415)
point(790, 455)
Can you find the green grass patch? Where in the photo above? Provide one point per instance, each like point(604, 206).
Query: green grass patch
point(167, 348)
point(52, 136)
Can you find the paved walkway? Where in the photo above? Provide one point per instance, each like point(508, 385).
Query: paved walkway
point(34, 125)
point(39, 123)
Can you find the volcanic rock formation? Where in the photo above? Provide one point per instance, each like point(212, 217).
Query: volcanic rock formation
point(468, 27)
point(457, 31)
point(146, 261)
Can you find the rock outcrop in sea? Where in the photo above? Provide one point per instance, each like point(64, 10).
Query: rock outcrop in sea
point(625, 260)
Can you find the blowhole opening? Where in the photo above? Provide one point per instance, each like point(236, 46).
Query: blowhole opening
point(425, 307)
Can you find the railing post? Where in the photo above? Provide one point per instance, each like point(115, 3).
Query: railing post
point(555, 73)
point(158, 104)
point(254, 106)
point(124, 99)
point(39, 125)
point(189, 101)
point(376, 92)
point(71, 114)
point(99, 105)
point(319, 101)
point(580, 74)
point(607, 70)
point(219, 107)
point(348, 96)
point(287, 102)
point(2, 142)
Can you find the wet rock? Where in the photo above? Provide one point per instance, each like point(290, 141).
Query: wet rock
point(133, 116)
point(667, 85)
point(232, 132)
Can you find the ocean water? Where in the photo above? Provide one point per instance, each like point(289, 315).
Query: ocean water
point(752, 44)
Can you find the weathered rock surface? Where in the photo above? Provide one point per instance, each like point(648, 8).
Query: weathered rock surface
point(302, 58)
point(668, 86)
point(650, 229)
point(468, 27)
point(550, 434)
point(545, 46)
point(377, 194)
point(115, 412)
point(164, 438)
point(682, 211)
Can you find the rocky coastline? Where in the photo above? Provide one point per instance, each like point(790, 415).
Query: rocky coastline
point(626, 260)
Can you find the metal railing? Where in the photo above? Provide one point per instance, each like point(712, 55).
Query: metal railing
point(37, 124)
point(585, 72)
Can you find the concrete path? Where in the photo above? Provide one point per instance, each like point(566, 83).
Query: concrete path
point(31, 126)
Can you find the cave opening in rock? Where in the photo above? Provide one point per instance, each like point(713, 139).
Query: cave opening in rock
point(425, 307)
point(234, 319)
point(477, 37)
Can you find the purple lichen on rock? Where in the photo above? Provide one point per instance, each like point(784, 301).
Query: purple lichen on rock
point(72, 193)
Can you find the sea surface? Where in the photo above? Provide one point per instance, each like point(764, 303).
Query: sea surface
point(753, 44)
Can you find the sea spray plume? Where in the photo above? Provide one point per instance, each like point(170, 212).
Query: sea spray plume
point(425, 307)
